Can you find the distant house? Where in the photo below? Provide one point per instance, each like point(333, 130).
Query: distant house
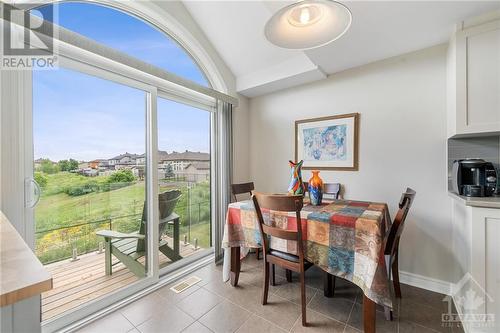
point(196, 172)
point(180, 161)
point(123, 159)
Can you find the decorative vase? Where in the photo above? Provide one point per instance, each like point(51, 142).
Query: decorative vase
point(315, 188)
point(296, 186)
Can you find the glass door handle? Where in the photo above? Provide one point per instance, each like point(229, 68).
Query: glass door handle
point(33, 192)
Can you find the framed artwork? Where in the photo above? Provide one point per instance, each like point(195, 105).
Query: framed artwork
point(328, 143)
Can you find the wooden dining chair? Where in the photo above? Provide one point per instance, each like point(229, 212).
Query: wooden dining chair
point(292, 262)
point(244, 188)
point(391, 248)
point(392, 241)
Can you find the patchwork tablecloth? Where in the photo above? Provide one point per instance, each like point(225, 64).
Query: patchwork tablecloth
point(344, 238)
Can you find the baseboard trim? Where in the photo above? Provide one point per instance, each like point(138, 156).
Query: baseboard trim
point(424, 282)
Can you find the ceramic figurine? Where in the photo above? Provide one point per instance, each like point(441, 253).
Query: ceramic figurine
point(315, 188)
point(296, 186)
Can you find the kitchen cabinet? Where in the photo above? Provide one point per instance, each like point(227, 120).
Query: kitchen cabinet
point(476, 229)
point(474, 79)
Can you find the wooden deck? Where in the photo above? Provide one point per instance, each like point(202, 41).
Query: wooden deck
point(77, 282)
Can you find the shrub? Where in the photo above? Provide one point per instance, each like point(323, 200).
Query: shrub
point(122, 176)
point(41, 179)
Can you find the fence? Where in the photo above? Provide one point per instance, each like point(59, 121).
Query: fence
point(61, 243)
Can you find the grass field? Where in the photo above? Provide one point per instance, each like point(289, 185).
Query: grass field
point(64, 221)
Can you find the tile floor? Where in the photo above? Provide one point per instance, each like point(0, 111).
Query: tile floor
point(214, 306)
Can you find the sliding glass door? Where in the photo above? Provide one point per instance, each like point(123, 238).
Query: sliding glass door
point(184, 172)
point(92, 137)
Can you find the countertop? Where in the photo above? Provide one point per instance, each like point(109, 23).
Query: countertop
point(484, 202)
point(22, 275)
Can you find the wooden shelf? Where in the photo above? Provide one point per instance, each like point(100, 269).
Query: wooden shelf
point(22, 275)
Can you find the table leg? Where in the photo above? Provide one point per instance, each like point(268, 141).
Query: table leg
point(328, 285)
point(368, 315)
point(235, 265)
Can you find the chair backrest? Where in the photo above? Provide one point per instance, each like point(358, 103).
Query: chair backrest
point(332, 189)
point(241, 189)
point(392, 241)
point(280, 203)
point(166, 203)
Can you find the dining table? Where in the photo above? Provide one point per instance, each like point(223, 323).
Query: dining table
point(345, 238)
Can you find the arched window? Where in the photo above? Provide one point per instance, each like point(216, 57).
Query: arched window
point(128, 34)
point(108, 135)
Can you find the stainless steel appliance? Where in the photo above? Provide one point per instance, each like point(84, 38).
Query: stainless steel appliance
point(474, 178)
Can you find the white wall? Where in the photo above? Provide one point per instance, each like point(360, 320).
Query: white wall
point(402, 102)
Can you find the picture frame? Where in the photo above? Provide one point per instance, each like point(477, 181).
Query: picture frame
point(328, 143)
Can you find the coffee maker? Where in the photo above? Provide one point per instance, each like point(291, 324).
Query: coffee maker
point(474, 178)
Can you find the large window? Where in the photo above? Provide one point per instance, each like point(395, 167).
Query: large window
point(107, 151)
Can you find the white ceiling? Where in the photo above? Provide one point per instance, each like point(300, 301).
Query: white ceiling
point(380, 29)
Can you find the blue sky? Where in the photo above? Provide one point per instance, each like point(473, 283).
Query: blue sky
point(83, 117)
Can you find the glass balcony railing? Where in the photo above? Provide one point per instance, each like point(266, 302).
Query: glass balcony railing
point(70, 241)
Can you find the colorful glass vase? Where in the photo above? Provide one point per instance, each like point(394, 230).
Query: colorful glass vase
point(315, 188)
point(296, 186)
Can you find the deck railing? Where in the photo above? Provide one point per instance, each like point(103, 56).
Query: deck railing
point(70, 241)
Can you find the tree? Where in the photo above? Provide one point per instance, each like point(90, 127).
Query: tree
point(73, 164)
point(63, 165)
point(47, 166)
point(169, 172)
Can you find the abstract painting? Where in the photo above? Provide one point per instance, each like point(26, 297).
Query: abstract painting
point(328, 143)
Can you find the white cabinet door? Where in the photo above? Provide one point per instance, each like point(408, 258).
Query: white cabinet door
point(478, 79)
point(486, 264)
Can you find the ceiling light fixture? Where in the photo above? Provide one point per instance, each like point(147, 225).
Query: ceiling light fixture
point(308, 24)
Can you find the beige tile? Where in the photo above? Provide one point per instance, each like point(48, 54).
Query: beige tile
point(196, 327)
point(219, 287)
point(207, 274)
point(134, 330)
point(291, 292)
point(335, 308)
point(144, 308)
point(314, 277)
point(422, 296)
point(259, 324)
point(382, 325)
point(409, 327)
point(423, 315)
point(225, 317)
point(168, 320)
point(317, 323)
point(349, 329)
point(279, 311)
point(199, 303)
point(112, 323)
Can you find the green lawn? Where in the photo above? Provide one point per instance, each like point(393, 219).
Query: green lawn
point(58, 211)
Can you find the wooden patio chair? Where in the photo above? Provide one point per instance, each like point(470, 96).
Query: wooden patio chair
point(129, 248)
point(292, 262)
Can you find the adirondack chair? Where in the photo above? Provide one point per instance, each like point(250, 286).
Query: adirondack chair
point(129, 248)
